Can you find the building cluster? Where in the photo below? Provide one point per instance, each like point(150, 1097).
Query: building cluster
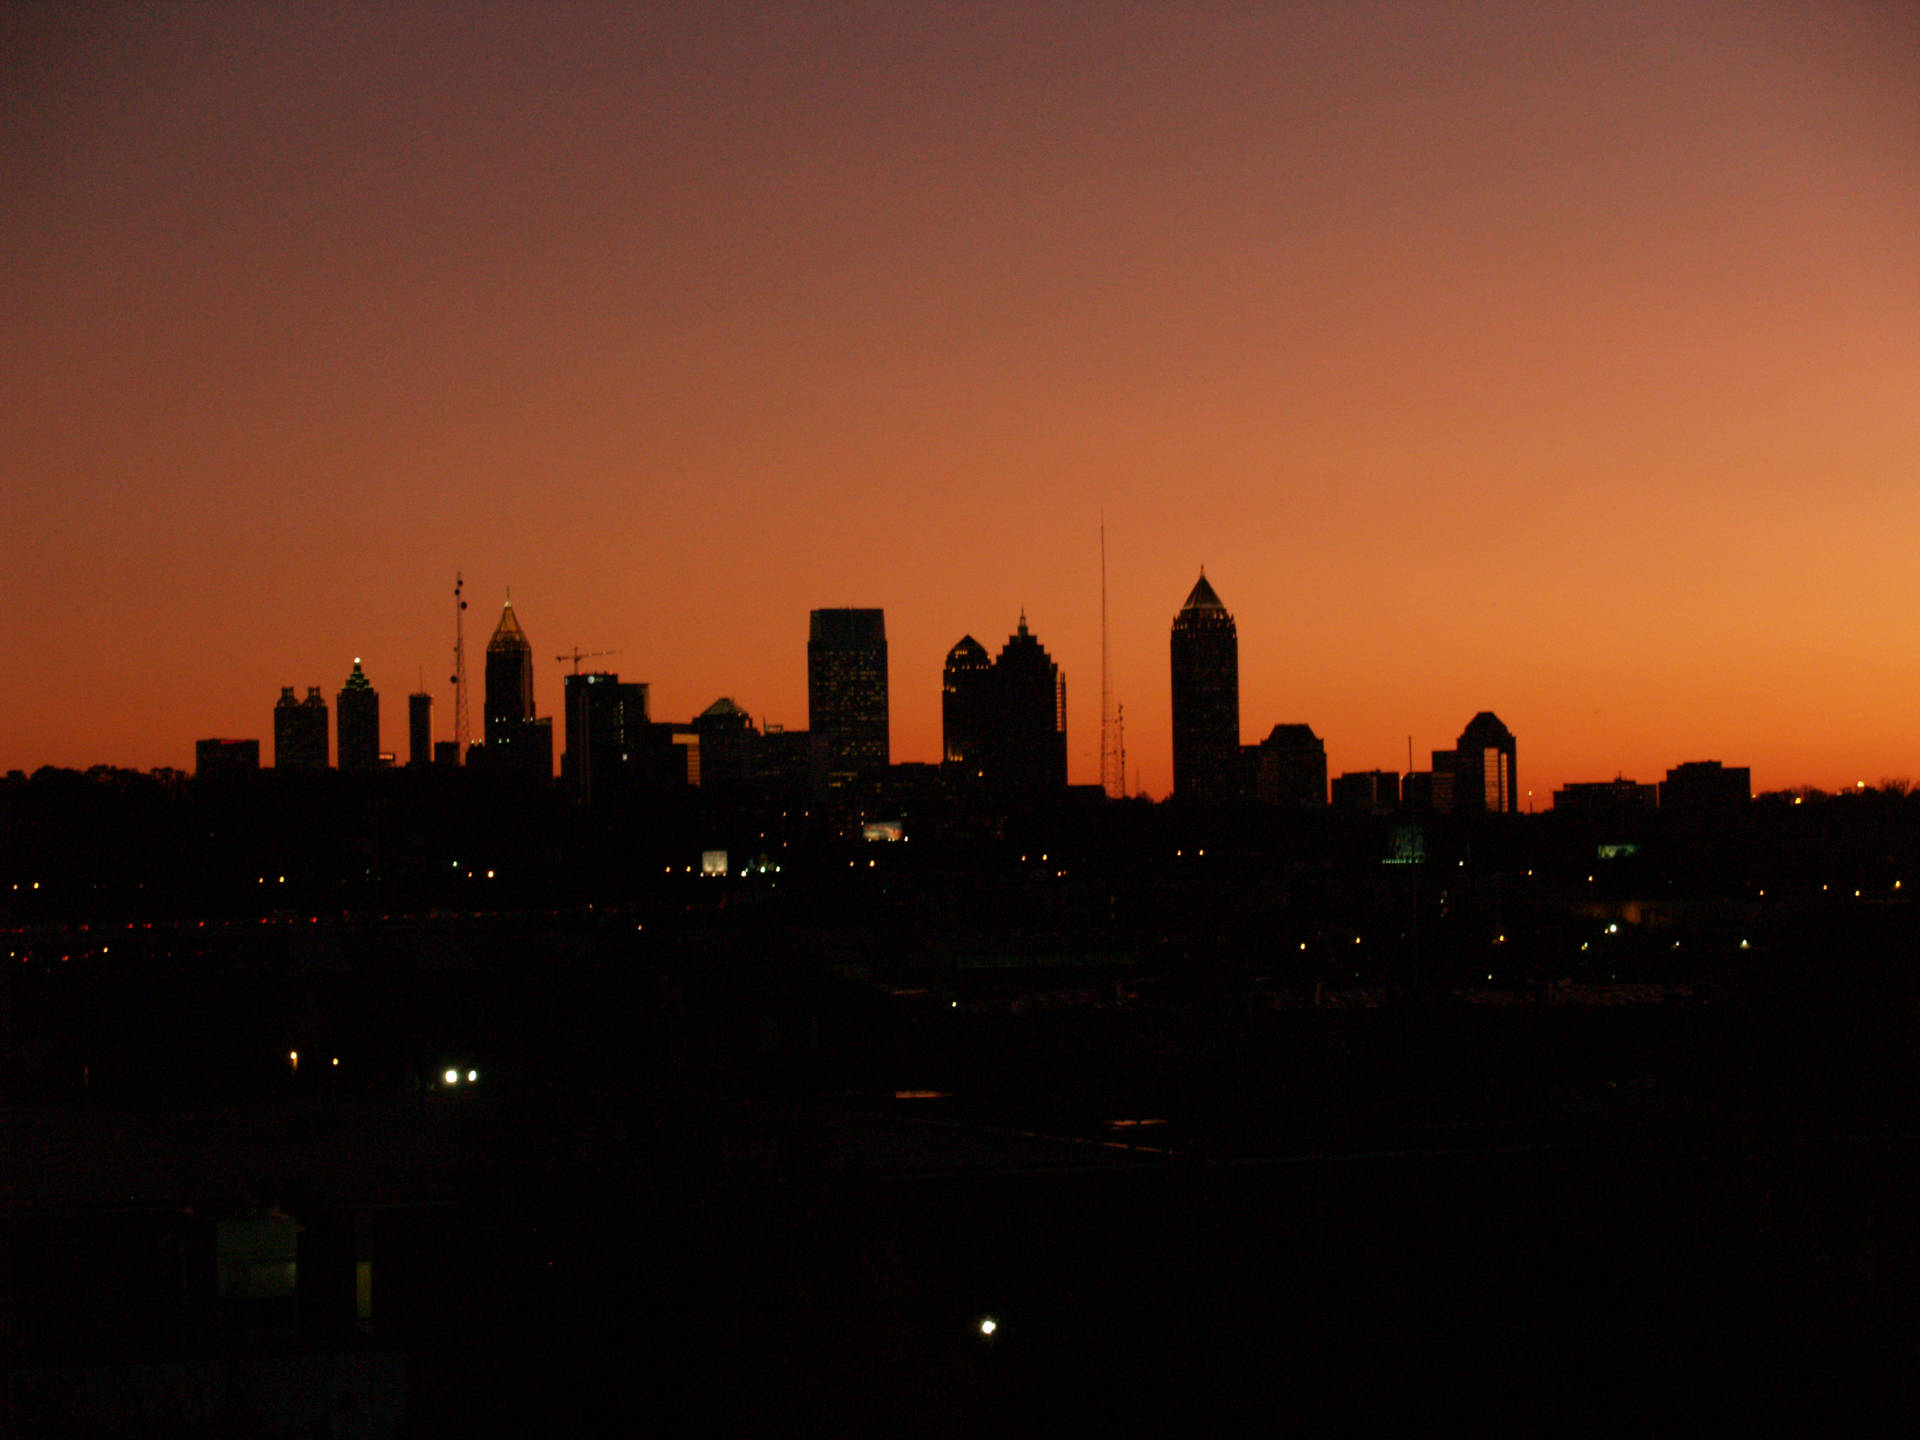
point(1004, 733)
point(1289, 767)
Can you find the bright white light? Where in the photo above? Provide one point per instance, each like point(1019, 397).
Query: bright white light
point(989, 1325)
point(452, 1077)
point(472, 1075)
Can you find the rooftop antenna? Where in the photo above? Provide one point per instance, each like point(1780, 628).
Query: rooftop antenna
point(461, 727)
point(1113, 753)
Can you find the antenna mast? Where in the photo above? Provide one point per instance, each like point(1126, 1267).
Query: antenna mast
point(1113, 754)
point(462, 728)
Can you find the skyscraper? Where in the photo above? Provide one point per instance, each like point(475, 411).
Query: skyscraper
point(965, 686)
point(1290, 768)
point(357, 720)
point(607, 733)
point(300, 731)
point(1484, 773)
point(509, 679)
point(847, 691)
point(1206, 697)
point(518, 746)
point(420, 728)
point(1026, 731)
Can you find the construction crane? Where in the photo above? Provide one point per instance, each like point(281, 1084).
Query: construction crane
point(577, 655)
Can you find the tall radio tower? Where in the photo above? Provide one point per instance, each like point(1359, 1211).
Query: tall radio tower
point(462, 728)
point(1113, 752)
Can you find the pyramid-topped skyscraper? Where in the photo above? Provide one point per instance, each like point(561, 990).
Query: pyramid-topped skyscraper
point(1206, 698)
point(509, 677)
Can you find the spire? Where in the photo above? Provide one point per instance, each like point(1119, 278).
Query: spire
point(358, 679)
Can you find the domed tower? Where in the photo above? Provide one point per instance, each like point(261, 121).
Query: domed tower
point(1206, 697)
point(964, 701)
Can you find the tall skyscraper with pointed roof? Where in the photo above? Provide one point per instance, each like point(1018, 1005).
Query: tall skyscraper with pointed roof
point(517, 745)
point(509, 679)
point(1206, 697)
point(357, 724)
point(1026, 741)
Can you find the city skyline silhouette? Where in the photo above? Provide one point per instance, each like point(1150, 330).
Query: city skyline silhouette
point(1558, 363)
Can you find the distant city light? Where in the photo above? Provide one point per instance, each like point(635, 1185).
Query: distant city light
point(988, 1326)
point(452, 1077)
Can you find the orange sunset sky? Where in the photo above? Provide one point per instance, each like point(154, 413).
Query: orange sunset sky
point(1558, 360)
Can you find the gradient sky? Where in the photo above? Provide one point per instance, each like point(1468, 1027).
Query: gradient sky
point(1557, 360)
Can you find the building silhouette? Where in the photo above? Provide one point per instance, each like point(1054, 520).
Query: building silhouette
point(606, 732)
point(225, 757)
point(729, 745)
point(1483, 770)
point(357, 724)
point(1377, 792)
point(300, 731)
point(1706, 787)
point(420, 728)
point(1206, 698)
point(966, 684)
point(509, 688)
point(1025, 753)
point(847, 692)
point(1290, 768)
point(518, 745)
point(1618, 796)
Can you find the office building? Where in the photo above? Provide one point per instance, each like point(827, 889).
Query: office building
point(225, 757)
point(1206, 698)
point(1026, 741)
point(357, 720)
point(1376, 792)
point(1485, 777)
point(1290, 768)
point(518, 746)
point(300, 731)
point(847, 692)
point(1605, 799)
point(729, 745)
point(419, 728)
point(1706, 787)
point(965, 694)
point(606, 731)
point(509, 697)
